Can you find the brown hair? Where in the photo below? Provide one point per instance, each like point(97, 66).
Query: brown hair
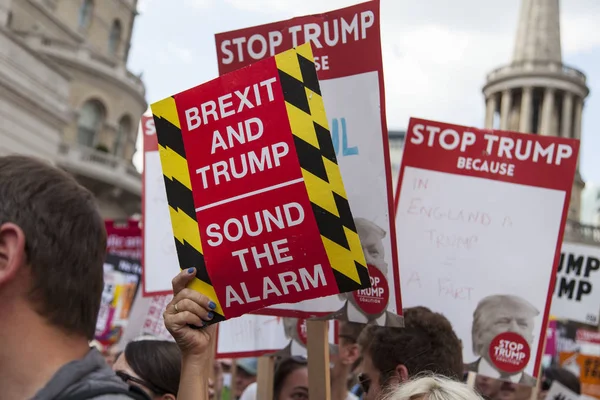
point(427, 343)
point(65, 241)
point(157, 362)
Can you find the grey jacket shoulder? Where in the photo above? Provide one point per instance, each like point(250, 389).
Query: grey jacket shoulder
point(81, 376)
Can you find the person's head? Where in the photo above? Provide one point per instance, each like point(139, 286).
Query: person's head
point(432, 388)
point(245, 374)
point(488, 387)
point(427, 343)
point(371, 238)
point(52, 248)
point(152, 365)
point(347, 350)
point(290, 381)
point(562, 376)
point(498, 314)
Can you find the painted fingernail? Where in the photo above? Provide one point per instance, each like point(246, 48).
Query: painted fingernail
point(190, 270)
point(210, 315)
point(212, 305)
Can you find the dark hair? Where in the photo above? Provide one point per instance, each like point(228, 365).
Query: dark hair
point(427, 343)
point(564, 377)
point(157, 362)
point(65, 241)
point(284, 368)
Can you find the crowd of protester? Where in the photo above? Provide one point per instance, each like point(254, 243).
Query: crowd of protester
point(52, 246)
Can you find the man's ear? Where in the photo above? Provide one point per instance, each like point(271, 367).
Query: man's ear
point(12, 251)
point(168, 397)
point(402, 373)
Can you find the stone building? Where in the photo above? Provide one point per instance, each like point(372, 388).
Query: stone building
point(71, 98)
point(536, 93)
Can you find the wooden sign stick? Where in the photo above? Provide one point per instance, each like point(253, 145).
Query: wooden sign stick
point(318, 360)
point(264, 381)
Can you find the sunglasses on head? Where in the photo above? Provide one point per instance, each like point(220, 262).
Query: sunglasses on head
point(128, 378)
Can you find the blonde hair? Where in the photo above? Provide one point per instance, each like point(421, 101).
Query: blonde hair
point(433, 387)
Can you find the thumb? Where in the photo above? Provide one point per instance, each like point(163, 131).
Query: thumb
point(182, 280)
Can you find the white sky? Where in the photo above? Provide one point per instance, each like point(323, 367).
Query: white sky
point(436, 53)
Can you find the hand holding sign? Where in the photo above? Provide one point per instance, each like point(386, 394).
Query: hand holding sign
point(184, 317)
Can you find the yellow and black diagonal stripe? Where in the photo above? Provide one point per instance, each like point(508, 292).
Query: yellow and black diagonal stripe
point(181, 201)
point(321, 173)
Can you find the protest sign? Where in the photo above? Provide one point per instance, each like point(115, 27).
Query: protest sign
point(560, 392)
point(124, 238)
point(160, 258)
point(480, 221)
point(121, 281)
point(589, 367)
point(347, 48)
point(255, 194)
point(577, 291)
point(256, 335)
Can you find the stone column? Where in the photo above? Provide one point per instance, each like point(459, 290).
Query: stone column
point(5, 6)
point(577, 123)
point(526, 115)
point(505, 109)
point(547, 109)
point(489, 111)
point(567, 116)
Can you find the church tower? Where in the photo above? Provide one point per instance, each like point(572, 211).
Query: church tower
point(536, 93)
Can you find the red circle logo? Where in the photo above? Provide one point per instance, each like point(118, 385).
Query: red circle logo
point(510, 352)
point(373, 300)
point(301, 330)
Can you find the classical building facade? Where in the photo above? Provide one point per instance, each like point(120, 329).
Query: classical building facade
point(536, 93)
point(73, 101)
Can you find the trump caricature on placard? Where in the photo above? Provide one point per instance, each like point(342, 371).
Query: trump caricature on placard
point(369, 306)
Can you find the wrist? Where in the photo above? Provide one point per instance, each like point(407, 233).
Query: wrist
point(197, 360)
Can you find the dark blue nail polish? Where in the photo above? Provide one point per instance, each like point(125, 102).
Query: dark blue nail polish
point(190, 270)
point(210, 315)
point(212, 305)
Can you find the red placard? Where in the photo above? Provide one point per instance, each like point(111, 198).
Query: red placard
point(347, 49)
point(124, 238)
point(262, 174)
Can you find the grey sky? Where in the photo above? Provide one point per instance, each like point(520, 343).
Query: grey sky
point(436, 52)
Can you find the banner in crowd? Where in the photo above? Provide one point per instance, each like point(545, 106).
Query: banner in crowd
point(160, 262)
point(577, 291)
point(121, 281)
point(480, 220)
point(560, 392)
point(256, 335)
point(124, 238)
point(347, 49)
point(589, 367)
point(255, 194)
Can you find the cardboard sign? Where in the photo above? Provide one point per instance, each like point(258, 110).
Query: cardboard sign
point(160, 257)
point(124, 238)
point(121, 281)
point(255, 194)
point(577, 291)
point(560, 392)
point(146, 320)
point(347, 50)
point(480, 221)
point(257, 335)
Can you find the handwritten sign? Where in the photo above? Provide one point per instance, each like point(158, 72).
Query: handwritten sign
point(255, 194)
point(577, 291)
point(160, 257)
point(480, 218)
point(347, 48)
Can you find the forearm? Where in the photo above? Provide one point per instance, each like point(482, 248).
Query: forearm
point(193, 384)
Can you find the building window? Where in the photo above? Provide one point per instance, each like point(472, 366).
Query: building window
point(114, 39)
point(123, 134)
point(91, 117)
point(85, 13)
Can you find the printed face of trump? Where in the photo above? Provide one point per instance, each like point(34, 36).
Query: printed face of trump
point(504, 315)
point(371, 237)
